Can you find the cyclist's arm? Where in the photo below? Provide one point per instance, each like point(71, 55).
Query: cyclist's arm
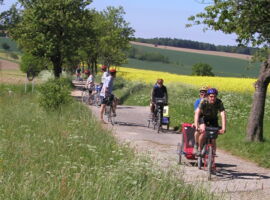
point(166, 96)
point(196, 117)
point(153, 95)
point(223, 121)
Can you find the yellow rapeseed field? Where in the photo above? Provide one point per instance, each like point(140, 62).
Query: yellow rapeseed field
point(221, 83)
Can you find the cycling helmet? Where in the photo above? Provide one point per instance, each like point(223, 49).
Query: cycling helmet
point(103, 67)
point(112, 70)
point(204, 88)
point(212, 91)
point(160, 81)
point(87, 71)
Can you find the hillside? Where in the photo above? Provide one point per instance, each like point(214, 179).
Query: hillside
point(10, 43)
point(181, 61)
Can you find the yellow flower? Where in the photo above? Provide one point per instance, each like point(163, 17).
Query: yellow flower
point(221, 83)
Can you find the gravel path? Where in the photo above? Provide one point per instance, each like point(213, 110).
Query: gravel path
point(236, 178)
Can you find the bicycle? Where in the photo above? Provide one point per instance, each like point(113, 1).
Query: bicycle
point(207, 153)
point(87, 96)
point(109, 110)
point(96, 96)
point(158, 114)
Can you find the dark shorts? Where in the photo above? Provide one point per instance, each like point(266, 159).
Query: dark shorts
point(208, 122)
point(107, 100)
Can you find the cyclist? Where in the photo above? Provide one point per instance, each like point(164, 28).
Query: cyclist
point(104, 75)
point(207, 115)
point(158, 91)
point(203, 94)
point(78, 73)
point(106, 94)
point(90, 81)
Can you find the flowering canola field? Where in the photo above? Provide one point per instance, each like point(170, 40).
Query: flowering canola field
point(221, 83)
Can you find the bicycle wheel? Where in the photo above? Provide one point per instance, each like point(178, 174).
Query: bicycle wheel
point(85, 96)
point(180, 149)
point(158, 121)
point(111, 115)
point(148, 123)
point(209, 161)
point(199, 160)
point(96, 99)
point(107, 113)
point(91, 99)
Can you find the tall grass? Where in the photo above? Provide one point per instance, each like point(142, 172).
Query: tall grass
point(237, 105)
point(68, 155)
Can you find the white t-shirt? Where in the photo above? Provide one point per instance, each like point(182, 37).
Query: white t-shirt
point(107, 84)
point(104, 76)
point(90, 81)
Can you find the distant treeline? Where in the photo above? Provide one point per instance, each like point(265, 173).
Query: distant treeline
point(147, 56)
point(197, 45)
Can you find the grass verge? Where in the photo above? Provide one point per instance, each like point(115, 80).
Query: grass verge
point(67, 155)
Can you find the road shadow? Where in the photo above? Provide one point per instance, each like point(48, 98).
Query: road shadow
point(224, 172)
point(130, 124)
point(124, 107)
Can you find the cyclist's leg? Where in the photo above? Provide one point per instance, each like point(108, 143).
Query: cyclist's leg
point(196, 138)
point(201, 136)
point(214, 123)
point(102, 108)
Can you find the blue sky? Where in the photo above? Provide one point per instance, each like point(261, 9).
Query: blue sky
point(160, 18)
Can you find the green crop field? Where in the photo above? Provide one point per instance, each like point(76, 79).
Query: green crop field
point(182, 62)
point(11, 43)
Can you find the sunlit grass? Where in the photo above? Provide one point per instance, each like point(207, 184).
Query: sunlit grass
point(68, 155)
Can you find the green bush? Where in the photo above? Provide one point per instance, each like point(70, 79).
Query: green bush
point(14, 56)
point(54, 93)
point(202, 69)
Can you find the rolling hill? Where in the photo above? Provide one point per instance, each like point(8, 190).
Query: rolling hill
point(182, 60)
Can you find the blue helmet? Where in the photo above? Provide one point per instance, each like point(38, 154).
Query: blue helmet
point(212, 91)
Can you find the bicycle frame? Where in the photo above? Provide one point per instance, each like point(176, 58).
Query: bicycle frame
point(208, 149)
point(158, 113)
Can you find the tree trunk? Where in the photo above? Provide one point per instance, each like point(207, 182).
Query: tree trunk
point(57, 65)
point(96, 70)
point(57, 69)
point(255, 121)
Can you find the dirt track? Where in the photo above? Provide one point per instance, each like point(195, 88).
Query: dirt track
point(235, 179)
point(215, 53)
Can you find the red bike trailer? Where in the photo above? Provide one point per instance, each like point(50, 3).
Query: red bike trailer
point(186, 144)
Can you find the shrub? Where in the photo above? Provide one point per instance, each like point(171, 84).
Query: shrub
point(54, 93)
point(5, 46)
point(14, 56)
point(202, 69)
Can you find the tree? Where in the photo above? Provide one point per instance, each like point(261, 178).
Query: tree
point(116, 34)
point(202, 69)
point(52, 29)
point(249, 19)
point(90, 50)
point(30, 63)
point(5, 46)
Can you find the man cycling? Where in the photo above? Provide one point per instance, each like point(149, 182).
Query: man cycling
point(207, 115)
point(203, 94)
point(159, 91)
point(106, 94)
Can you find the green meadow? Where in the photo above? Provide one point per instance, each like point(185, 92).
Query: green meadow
point(182, 62)
point(66, 154)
